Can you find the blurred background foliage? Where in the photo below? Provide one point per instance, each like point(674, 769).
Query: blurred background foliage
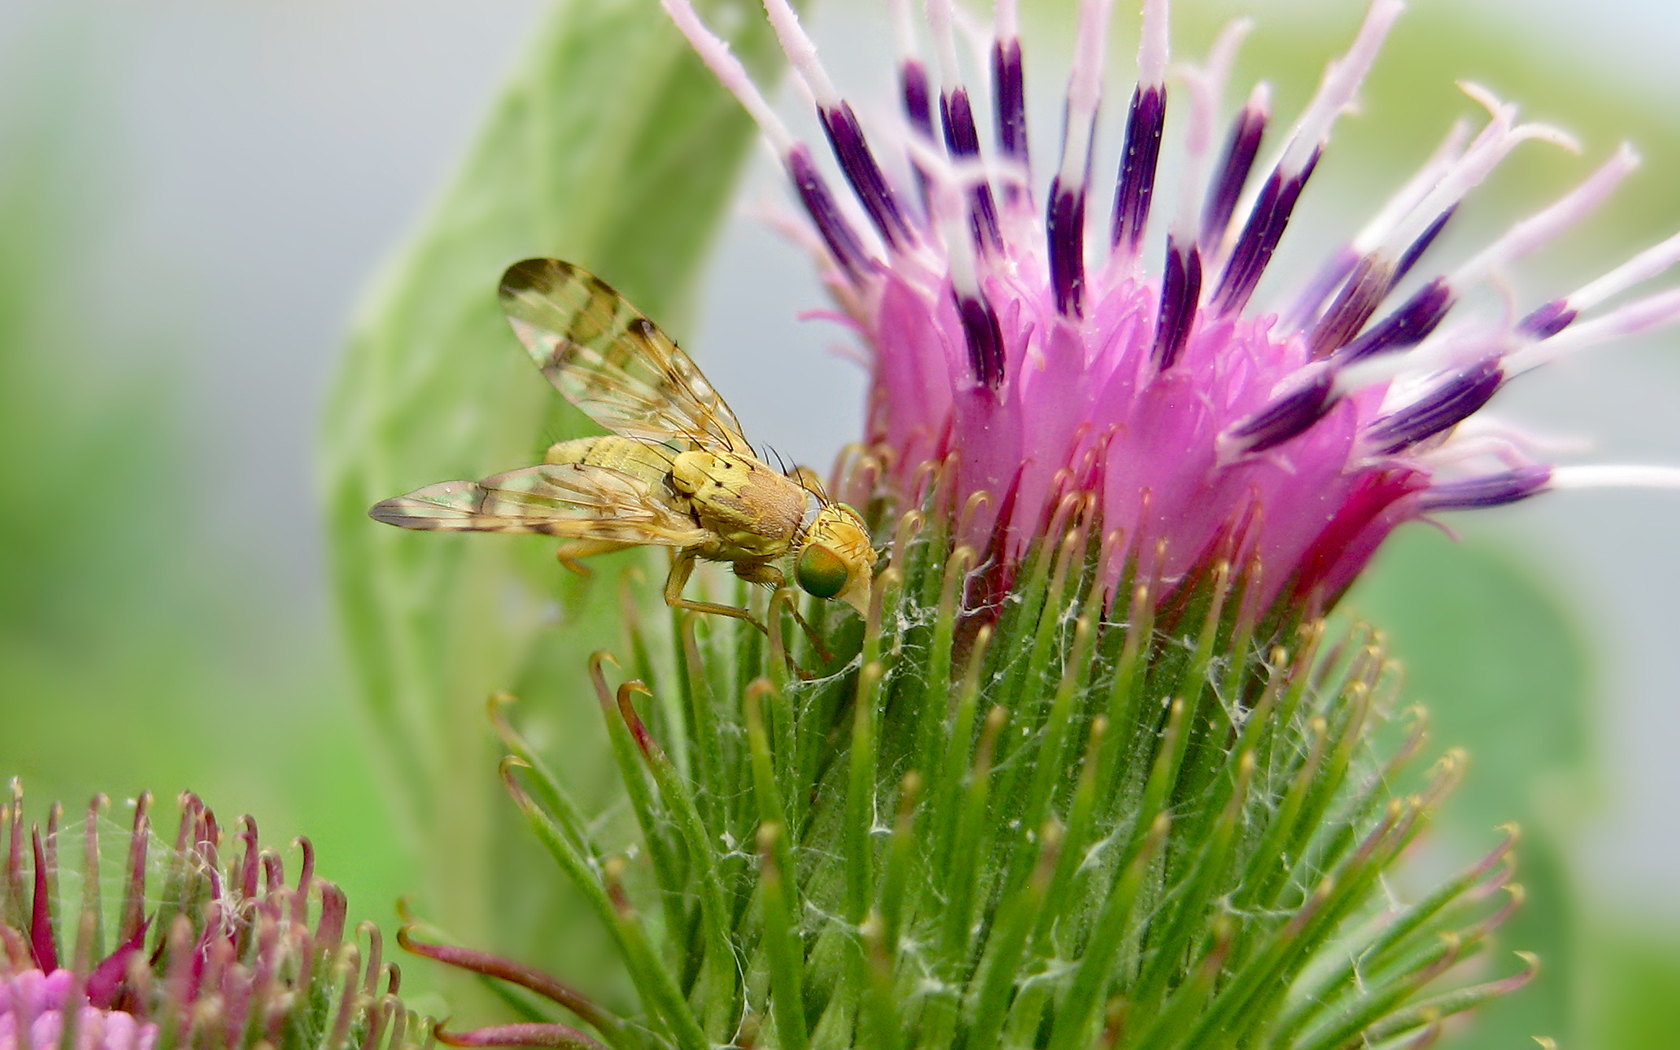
point(183, 243)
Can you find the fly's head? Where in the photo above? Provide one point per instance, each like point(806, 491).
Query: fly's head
point(836, 559)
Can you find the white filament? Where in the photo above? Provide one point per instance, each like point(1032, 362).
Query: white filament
point(801, 52)
point(1538, 229)
point(1413, 192)
point(1642, 267)
point(1153, 46)
point(1641, 315)
point(1339, 87)
point(730, 73)
point(1619, 476)
point(1084, 91)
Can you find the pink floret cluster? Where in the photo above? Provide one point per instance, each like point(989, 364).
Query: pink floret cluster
point(33, 1006)
point(1045, 353)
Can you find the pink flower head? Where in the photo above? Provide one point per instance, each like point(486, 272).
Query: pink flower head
point(217, 956)
point(1052, 351)
point(32, 1009)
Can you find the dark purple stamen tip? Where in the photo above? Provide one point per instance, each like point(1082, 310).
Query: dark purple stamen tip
point(984, 337)
point(1415, 251)
point(864, 175)
point(836, 232)
point(1330, 277)
point(918, 102)
point(1446, 406)
point(956, 116)
point(1240, 150)
point(1548, 320)
point(1405, 327)
point(1361, 294)
point(1494, 490)
point(1064, 224)
point(1260, 236)
point(962, 141)
point(1009, 89)
point(918, 109)
point(1181, 288)
point(1136, 184)
point(1286, 417)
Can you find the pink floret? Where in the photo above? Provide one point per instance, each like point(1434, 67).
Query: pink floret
point(1030, 341)
point(35, 1002)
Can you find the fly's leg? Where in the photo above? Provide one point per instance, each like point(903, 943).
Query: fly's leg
point(762, 572)
point(572, 550)
point(682, 566)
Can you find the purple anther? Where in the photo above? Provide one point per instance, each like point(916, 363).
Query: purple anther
point(1444, 407)
point(1260, 236)
point(1064, 226)
point(918, 109)
point(1136, 184)
point(1011, 99)
point(1286, 417)
point(1415, 251)
point(1405, 327)
point(918, 104)
point(956, 116)
point(867, 180)
point(1240, 150)
point(962, 141)
point(1329, 277)
point(1181, 288)
point(1361, 294)
point(1548, 320)
point(837, 233)
point(984, 337)
point(1493, 490)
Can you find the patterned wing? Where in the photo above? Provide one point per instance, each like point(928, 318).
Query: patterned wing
point(610, 361)
point(570, 500)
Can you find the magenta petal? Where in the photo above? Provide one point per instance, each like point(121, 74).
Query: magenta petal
point(1195, 415)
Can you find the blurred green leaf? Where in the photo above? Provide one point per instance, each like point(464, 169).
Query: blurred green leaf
point(138, 650)
point(611, 147)
point(1635, 987)
point(1504, 674)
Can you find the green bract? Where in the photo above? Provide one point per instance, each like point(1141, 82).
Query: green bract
point(996, 816)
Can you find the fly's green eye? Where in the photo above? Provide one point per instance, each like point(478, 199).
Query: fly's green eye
point(820, 571)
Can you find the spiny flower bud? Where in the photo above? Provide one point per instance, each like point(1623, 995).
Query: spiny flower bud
point(194, 951)
point(1041, 827)
point(1092, 768)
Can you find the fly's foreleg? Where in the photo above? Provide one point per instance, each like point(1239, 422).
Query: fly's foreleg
point(759, 572)
point(682, 567)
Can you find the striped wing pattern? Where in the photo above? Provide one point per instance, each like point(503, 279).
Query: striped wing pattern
point(612, 362)
point(569, 500)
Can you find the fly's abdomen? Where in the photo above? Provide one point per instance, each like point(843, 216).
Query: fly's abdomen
point(642, 460)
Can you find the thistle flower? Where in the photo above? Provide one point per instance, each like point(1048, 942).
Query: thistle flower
point(1052, 356)
point(1093, 769)
point(192, 953)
